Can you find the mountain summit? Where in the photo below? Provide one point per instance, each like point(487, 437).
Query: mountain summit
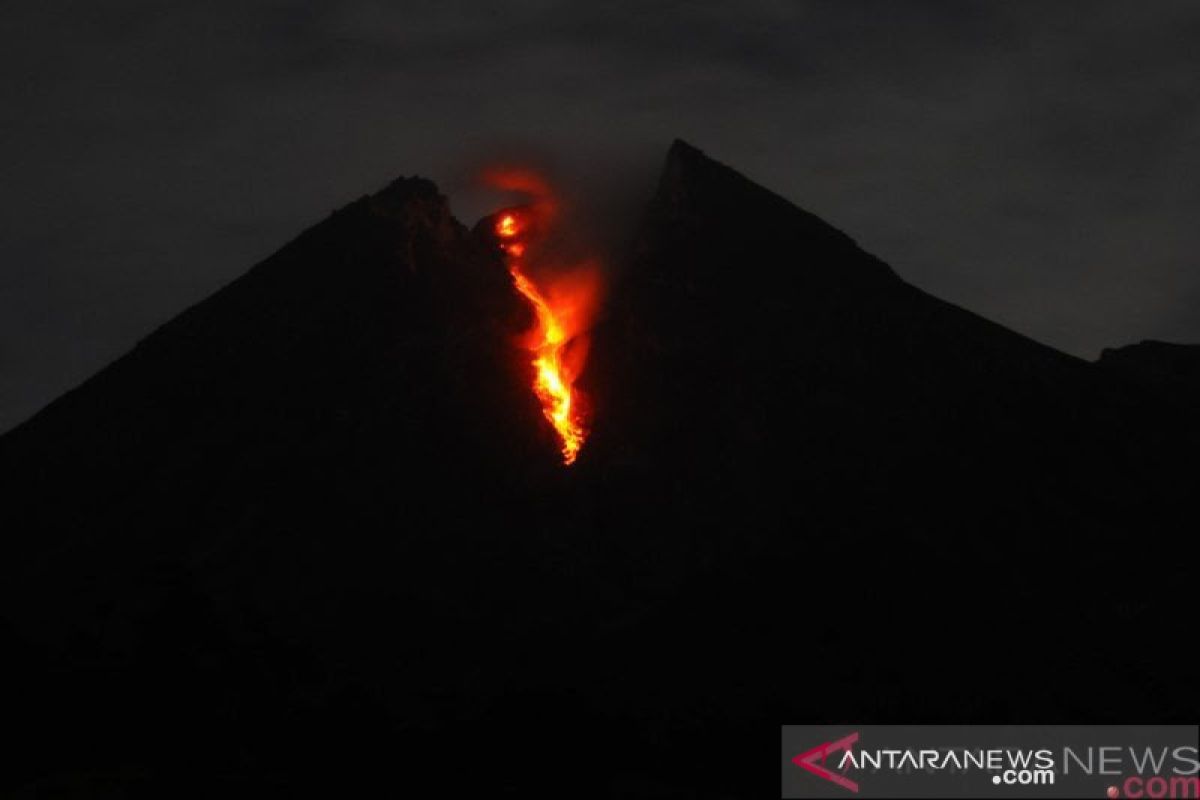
point(313, 534)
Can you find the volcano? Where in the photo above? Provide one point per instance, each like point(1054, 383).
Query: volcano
point(316, 535)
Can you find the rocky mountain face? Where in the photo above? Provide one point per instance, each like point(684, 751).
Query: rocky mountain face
point(313, 533)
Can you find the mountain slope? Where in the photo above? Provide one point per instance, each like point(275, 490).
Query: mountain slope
point(917, 509)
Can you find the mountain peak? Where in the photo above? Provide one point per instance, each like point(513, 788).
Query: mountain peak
point(683, 151)
point(702, 201)
point(405, 191)
point(417, 203)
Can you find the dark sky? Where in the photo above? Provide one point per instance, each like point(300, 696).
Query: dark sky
point(1038, 163)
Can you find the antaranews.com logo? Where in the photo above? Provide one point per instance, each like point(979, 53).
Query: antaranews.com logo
point(989, 761)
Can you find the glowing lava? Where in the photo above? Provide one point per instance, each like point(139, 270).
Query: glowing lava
point(550, 340)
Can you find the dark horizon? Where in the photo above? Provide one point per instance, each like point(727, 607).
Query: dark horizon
point(1029, 163)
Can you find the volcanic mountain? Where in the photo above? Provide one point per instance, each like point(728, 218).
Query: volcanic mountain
point(314, 534)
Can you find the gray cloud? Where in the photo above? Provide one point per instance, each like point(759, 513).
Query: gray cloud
point(1035, 162)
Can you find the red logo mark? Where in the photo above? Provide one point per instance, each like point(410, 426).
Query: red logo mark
point(808, 760)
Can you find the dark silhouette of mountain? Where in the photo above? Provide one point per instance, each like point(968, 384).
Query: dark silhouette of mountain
point(1171, 370)
point(313, 536)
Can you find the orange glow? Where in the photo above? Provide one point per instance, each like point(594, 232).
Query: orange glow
point(506, 228)
point(552, 384)
point(563, 303)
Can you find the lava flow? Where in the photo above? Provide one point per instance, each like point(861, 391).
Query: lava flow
point(557, 341)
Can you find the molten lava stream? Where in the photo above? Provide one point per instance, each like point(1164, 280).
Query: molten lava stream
point(553, 381)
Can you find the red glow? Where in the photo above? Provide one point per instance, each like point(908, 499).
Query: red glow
point(563, 299)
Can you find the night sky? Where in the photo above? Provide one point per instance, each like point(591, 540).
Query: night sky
point(1038, 163)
